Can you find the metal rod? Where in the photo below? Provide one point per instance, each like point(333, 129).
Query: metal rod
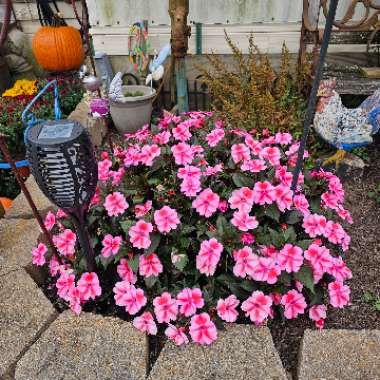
point(4, 149)
point(313, 94)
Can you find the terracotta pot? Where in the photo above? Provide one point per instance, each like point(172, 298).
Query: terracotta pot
point(6, 202)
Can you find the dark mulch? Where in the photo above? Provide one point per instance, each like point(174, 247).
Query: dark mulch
point(363, 258)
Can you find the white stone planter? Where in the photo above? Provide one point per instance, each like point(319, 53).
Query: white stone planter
point(131, 113)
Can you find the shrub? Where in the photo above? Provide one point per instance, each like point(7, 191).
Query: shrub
point(252, 95)
point(193, 224)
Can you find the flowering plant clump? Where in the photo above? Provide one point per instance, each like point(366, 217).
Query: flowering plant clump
point(195, 224)
point(21, 87)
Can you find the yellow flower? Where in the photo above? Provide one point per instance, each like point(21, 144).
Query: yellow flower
point(21, 87)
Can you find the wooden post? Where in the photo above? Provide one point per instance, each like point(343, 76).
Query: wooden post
point(180, 33)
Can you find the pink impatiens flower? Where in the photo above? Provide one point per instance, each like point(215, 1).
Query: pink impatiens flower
point(319, 257)
point(88, 286)
point(294, 304)
point(181, 133)
point(265, 270)
point(242, 199)
point(314, 225)
point(49, 221)
point(240, 152)
point(166, 219)
point(150, 265)
point(125, 272)
point(64, 283)
point(243, 221)
point(339, 269)
point(38, 255)
point(334, 232)
point(143, 209)
point(284, 197)
point(65, 242)
point(245, 262)
point(214, 137)
point(317, 313)
point(139, 234)
point(75, 299)
point(209, 256)
point(272, 154)
point(290, 258)
point(115, 204)
point(253, 166)
point(182, 153)
point(126, 295)
point(191, 187)
point(165, 308)
point(176, 334)
point(146, 323)
point(149, 153)
point(111, 245)
point(206, 203)
point(257, 307)
point(263, 193)
point(226, 308)
point(339, 294)
point(202, 329)
point(189, 300)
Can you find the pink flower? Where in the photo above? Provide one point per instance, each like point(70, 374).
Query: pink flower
point(49, 221)
point(60, 214)
point(165, 308)
point(132, 156)
point(191, 187)
point(162, 138)
point(115, 204)
point(265, 270)
point(247, 238)
point(290, 258)
point(344, 214)
point(223, 206)
point(294, 303)
point(65, 242)
point(226, 308)
point(254, 145)
point(104, 170)
point(202, 329)
point(189, 300)
point(283, 138)
point(64, 283)
point(181, 132)
point(319, 257)
point(111, 245)
point(38, 254)
point(89, 287)
point(301, 204)
point(253, 166)
point(209, 256)
point(317, 312)
point(272, 154)
point(146, 323)
point(314, 225)
point(214, 137)
point(150, 265)
point(334, 232)
point(176, 334)
point(166, 219)
point(245, 262)
point(182, 153)
point(213, 170)
point(189, 172)
point(284, 197)
point(339, 270)
point(339, 294)
point(330, 200)
point(149, 153)
point(257, 307)
point(243, 221)
point(75, 299)
point(263, 193)
point(54, 266)
point(125, 272)
point(139, 234)
point(143, 209)
point(240, 152)
point(206, 203)
point(117, 178)
point(242, 199)
point(126, 295)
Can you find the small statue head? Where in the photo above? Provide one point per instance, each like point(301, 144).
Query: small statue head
point(326, 88)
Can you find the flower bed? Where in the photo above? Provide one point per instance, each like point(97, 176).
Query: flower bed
point(195, 224)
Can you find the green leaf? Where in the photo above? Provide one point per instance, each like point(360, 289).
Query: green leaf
point(105, 261)
point(126, 225)
point(368, 297)
point(221, 225)
point(241, 180)
point(290, 235)
point(187, 230)
point(155, 241)
point(154, 181)
point(304, 244)
point(293, 217)
point(182, 262)
point(305, 275)
point(276, 238)
point(273, 212)
point(377, 305)
point(150, 281)
point(134, 263)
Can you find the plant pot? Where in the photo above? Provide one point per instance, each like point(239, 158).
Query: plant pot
point(131, 113)
point(6, 202)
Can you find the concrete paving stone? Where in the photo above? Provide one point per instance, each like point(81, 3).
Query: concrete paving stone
point(17, 239)
point(241, 352)
point(88, 347)
point(24, 312)
point(21, 208)
point(340, 354)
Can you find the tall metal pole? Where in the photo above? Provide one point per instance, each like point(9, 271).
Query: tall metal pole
point(313, 95)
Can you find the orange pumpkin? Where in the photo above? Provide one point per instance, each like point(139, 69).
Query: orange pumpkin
point(58, 48)
point(6, 202)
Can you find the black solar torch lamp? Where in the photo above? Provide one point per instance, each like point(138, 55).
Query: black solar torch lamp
point(63, 163)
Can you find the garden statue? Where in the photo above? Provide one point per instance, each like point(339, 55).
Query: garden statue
point(344, 128)
point(156, 67)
